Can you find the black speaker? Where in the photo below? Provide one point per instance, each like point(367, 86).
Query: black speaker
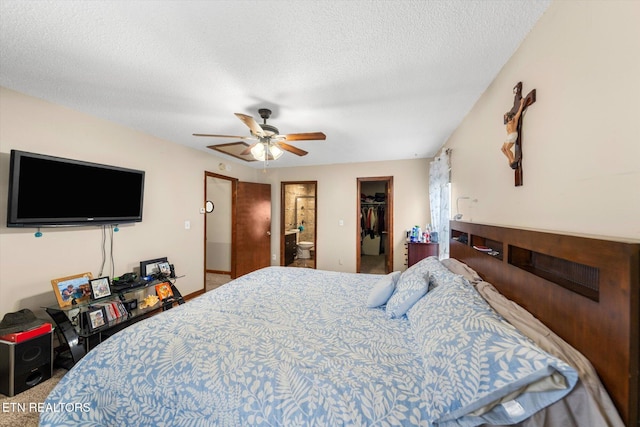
point(130, 304)
point(25, 364)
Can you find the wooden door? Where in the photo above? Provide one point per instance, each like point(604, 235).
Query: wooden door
point(252, 227)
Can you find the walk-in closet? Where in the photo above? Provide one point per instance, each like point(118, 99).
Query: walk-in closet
point(375, 217)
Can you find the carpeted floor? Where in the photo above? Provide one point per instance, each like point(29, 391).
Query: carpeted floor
point(372, 264)
point(21, 410)
point(215, 280)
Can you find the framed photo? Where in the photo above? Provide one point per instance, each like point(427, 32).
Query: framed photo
point(96, 318)
point(100, 288)
point(165, 269)
point(151, 267)
point(163, 290)
point(72, 289)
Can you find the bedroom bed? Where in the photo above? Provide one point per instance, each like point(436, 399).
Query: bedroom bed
point(287, 346)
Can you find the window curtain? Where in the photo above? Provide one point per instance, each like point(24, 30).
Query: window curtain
point(440, 200)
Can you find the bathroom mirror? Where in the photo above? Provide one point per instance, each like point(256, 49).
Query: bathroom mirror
point(298, 224)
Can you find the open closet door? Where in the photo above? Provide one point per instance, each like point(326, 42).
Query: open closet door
point(252, 227)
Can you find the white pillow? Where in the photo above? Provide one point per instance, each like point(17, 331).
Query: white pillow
point(382, 290)
point(412, 285)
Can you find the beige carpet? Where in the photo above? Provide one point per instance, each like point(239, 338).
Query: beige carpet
point(215, 280)
point(372, 264)
point(19, 410)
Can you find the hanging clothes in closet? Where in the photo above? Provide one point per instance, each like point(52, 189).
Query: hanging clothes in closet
point(372, 223)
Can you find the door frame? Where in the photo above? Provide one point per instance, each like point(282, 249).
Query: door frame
point(234, 191)
point(388, 217)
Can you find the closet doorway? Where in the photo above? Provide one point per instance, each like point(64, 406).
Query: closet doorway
point(375, 225)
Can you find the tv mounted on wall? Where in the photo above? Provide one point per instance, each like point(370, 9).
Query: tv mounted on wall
point(47, 191)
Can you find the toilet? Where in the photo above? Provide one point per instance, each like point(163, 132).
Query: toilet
point(304, 249)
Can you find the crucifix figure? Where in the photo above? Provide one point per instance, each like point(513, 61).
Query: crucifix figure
point(512, 146)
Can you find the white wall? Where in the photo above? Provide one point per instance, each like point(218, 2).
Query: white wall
point(174, 188)
point(581, 138)
point(338, 200)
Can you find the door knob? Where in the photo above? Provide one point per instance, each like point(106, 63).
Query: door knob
point(268, 233)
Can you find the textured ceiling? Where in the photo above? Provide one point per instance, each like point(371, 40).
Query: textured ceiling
point(382, 79)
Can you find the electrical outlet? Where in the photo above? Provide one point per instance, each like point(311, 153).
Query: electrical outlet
point(187, 225)
point(273, 257)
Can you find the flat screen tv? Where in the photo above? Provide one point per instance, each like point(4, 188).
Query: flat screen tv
point(48, 191)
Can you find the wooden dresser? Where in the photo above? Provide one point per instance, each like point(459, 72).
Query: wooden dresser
point(419, 251)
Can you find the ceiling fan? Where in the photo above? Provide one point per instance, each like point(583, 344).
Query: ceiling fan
point(267, 142)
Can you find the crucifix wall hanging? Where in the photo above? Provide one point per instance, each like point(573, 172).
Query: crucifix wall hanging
point(512, 146)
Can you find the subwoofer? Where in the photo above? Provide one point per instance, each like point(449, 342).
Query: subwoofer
point(25, 364)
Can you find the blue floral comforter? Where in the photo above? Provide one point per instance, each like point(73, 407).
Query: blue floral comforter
point(299, 347)
point(280, 346)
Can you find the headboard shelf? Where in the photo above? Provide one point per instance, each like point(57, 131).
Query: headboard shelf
point(585, 289)
point(487, 246)
point(579, 278)
point(484, 245)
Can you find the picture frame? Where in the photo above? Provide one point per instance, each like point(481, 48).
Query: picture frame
point(164, 269)
point(96, 318)
point(73, 289)
point(100, 287)
point(151, 267)
point(164, 291)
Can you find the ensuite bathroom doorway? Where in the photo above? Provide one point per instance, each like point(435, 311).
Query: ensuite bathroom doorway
point(298, 231)
point(375, 225)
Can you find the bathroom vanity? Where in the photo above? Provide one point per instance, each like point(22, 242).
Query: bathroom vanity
point(289, 247)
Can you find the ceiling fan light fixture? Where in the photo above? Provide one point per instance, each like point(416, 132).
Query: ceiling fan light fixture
point(258, 151)
point(275, 151)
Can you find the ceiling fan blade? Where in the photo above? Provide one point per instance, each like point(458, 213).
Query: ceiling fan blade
point(292, 149)
point(248, 149)
point(220, 136)
point(252, 124)
point(235, 149)
point(309, 136)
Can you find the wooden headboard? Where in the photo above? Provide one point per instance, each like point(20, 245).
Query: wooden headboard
point(584, 289)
